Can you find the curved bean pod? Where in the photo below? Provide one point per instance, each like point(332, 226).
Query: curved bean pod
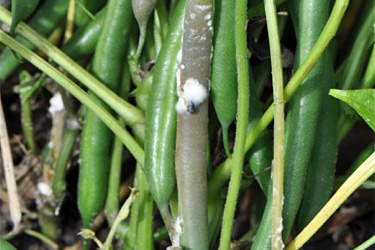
point(161, 116)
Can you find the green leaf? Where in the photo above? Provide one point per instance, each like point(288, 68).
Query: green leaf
point(363, 101)
point(21, 9)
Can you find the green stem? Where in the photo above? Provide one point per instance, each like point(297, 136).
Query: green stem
point(78, 93)
point(112, 201)
point(144, 239)
point(26, 83)
point(122, 215)
point(43, 238)
point(70, 135)
point(366, 244)
point(278, 151)
point(242, 119)
point(368, 79)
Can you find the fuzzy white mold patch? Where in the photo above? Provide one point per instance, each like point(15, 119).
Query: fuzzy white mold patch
point(181, 106)
point(56, 104)
point(191, 95)
point(44, 189)
point(194, 92)
point(177, 231)
point(179, 56)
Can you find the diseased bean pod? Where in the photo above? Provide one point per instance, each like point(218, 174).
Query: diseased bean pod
point(96, 137)
point(142, 10)
point(223, 72)
point(161, 116)
point(21, 9)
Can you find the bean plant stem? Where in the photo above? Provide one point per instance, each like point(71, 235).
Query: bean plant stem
point(122, 215)
point(70, 21)
point(26, 82)
point(278, 152)
point(72, 127)
point(366, 244)
point(45, 239)
point(242, 119)
point(368, 79)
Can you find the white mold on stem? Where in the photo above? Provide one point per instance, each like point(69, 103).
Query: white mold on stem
point(191, 95)
point(56, 104)
point(194, 92)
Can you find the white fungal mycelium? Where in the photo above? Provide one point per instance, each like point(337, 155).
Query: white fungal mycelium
point(44, 189)
point(194, 92)
point(181, 106)
point(179, 55)
point(56, 104)
point(177, 228)
point(191, 95)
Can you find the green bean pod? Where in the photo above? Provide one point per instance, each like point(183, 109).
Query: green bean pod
point(44, 21)
point(96, 137)
point(223, 71)
point(321, 169)
point(21, 9)
point(161, 116)
point(304, 109)
point(84, 40)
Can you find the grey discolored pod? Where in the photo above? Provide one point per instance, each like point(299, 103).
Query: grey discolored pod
point(142, 10)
